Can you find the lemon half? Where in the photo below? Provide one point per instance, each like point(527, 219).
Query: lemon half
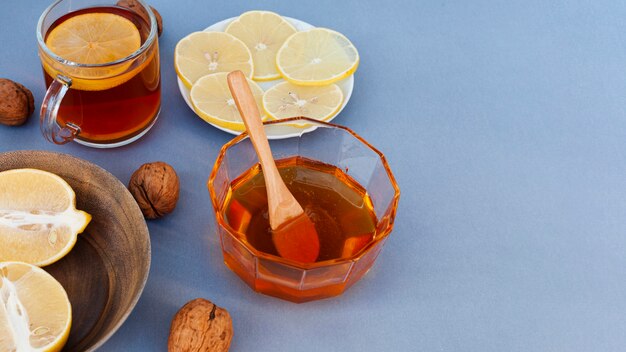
point(39, 222)
point(35, 312)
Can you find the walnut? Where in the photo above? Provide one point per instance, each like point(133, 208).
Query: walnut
point(200, 326)
point(155, 187)
point(159, 20)
point(16, 103)
point(134, 6)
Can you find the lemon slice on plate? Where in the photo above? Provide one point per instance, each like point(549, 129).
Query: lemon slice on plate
point(35, 312)
point(203, 53)
point(288, 100)
point(212, 101)
point(263, 32)
point(92, 39)
point(39, 222)
point(317, 57)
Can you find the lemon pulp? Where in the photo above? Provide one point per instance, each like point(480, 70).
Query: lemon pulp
point(39, 222)
point(288, 100)
point(213, 102)
point(93, 39)
point(203, 53)
point(263, 32)
point(35, 312)
point(317, 57)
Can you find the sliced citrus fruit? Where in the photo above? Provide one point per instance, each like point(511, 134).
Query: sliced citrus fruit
point(35, 312)
point(263, 32)
point(203, 53)
point(212, 101)
point(288, 100)
point(38, 217)
point(94, 39)
point(317, 57)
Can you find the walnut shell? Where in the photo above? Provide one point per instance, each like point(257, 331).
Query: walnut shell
point(133, 5)
point(16, 103)
point(200, 326)
point(159, 20)
point(156, 188)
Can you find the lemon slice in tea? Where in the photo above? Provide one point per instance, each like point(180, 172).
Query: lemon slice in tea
point(212, 101)
point(35, 312)
point(263, 32)
point(317, 57)
point(203, 53)
point(93, 39)
point(39, 222)
point(288, 100)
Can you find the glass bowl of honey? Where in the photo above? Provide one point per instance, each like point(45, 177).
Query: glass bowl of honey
point(344, 185)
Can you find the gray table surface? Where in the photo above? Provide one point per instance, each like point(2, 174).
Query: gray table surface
point(505, 125)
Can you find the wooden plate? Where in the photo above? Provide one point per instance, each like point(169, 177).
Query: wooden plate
point(106, 271)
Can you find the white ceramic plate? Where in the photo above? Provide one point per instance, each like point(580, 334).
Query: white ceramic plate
point(274, 132)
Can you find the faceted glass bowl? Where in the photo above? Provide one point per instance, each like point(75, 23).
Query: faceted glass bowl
point(330, 144)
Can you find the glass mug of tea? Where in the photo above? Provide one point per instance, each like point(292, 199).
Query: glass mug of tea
point(101, 66)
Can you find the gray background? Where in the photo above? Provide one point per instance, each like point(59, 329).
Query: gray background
point(504, 122)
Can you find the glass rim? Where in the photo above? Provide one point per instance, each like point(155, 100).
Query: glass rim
point(143, 48)
point(233, 233)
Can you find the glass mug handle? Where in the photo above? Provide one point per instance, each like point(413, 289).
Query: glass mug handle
point(50, 128)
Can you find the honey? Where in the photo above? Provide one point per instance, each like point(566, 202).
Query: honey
point(339, 207)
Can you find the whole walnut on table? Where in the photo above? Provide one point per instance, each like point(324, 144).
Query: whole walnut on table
point(156, 188)
point(135, 6)
point(200, 326)
point(16, 103)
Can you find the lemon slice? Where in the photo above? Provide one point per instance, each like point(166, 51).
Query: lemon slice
point(35, 313)
point(203, 53)
point(38, 217)
point(317, 57)
point(91, 39)
point(264, 33)
point(94, 38)
point(288, 100)
point(212, 101)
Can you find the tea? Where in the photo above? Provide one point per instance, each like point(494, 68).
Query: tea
point(339, 207)
point(113, 114)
